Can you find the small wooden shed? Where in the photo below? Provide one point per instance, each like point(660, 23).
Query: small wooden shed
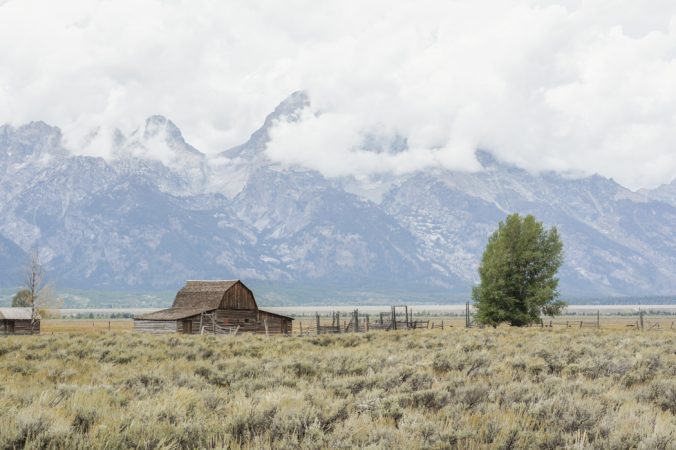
point(213, 307)
point(18, 321)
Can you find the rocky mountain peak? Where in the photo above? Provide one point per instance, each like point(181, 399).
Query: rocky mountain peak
point(38, 130)
point(35, 139)
point(158, 139)
point(664, 193)
point(289, 109)
point(160, 126)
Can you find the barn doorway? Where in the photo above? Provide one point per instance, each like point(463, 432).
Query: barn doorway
point(10, 326)
point(187, 326)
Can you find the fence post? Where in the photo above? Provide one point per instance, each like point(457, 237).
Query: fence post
point(317, 317)
point(367, 324)
point(442, 325)
point(394, 319)
point(640, 315)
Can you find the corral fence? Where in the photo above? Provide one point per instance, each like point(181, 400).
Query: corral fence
point(640, 324)
point(399, 318)
point(395, 320)
point(208, 325)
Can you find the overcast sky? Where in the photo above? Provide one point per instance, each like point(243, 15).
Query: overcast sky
point(581, 86)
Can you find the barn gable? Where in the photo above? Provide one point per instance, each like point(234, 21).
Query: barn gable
point(238, 296)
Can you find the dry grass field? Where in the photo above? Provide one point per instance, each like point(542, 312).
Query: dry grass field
point(308, 322)
point(456, 388)
point(51, 326)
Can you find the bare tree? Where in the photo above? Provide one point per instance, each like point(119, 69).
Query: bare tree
point(35, 285)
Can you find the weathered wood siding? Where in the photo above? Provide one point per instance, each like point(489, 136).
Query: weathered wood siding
point(276, 324)
point(188, 325)
point(155, 326)
point(249, 321)
point(238, 297)
point(19, 327)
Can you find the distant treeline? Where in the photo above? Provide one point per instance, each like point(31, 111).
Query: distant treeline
point(648, 312)
point(269, 296)
point(631, 300)
point(117, 315)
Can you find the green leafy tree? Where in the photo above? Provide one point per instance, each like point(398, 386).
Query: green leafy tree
point(518, 282)
point(22, 298)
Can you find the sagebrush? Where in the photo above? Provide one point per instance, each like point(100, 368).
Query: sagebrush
point(457, 388)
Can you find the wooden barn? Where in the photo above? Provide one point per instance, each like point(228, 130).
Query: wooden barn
point(213, 307)
point(18, 321)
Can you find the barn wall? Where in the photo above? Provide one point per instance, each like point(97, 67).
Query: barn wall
point(276, 324)
point(249, 321)
point(184, 325)
point(20, 327)
point(238, 297)
point(155, 326)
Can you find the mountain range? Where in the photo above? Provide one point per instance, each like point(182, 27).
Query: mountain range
point(157, 211)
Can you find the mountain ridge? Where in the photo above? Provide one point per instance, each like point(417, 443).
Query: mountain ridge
point(138, 221)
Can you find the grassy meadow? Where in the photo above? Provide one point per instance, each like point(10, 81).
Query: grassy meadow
point(451, 388)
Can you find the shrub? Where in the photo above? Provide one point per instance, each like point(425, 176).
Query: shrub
point(504, 388)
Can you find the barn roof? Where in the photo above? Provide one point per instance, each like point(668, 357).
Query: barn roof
point(171, 314)
point(15, 313)
point(198, 296)
point(275, 314)
point(202, 294)
point(183, 313)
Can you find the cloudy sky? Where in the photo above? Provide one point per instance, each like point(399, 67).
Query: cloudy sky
point(575, 86)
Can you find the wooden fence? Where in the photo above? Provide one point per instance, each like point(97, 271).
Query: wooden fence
point(402, 318)
point(355, 322)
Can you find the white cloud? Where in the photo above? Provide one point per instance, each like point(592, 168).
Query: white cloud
point(565, 85)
